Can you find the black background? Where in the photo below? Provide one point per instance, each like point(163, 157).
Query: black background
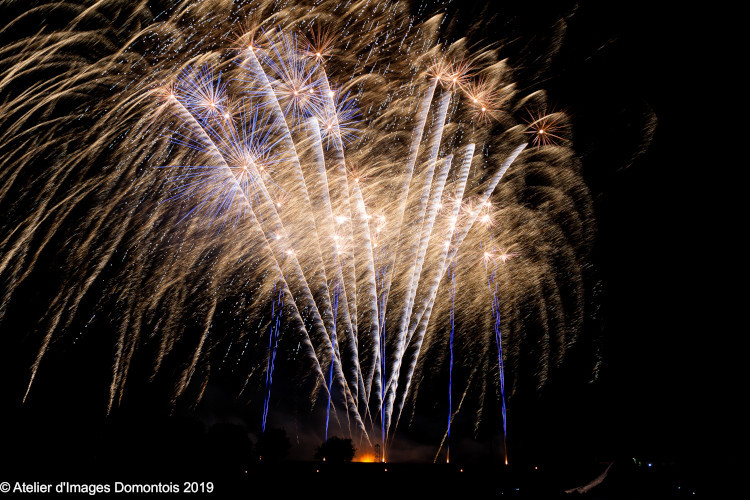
point(621, 64)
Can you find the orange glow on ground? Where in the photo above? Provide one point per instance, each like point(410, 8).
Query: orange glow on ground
point(367, 458)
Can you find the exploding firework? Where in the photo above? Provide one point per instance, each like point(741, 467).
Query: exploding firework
point(193, 189)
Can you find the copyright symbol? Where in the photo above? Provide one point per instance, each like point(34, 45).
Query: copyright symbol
point(4, 487)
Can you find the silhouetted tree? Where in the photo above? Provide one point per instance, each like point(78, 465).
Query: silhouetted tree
point(336, 450)
point(273, 445)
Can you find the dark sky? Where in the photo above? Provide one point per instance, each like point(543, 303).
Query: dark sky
point(625, 60)
point(620, 66)
point(648, 213)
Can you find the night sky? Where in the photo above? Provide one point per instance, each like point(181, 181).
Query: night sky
point(621, 69)
point(648, 212)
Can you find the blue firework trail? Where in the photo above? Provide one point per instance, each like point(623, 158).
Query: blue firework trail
point(273, 342)
point(450, 366)
point(492, 286)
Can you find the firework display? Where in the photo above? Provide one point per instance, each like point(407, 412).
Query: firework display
point(321, 198)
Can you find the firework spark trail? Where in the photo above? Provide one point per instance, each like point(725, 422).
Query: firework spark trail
point(452, 250)
point(443, 233)
point(416, 139)
point(325, 219)
point(340, 294)
point(274, 235)
point(428, 225)
point(338, 160)
point(407, 258)
point(428, 222)
point(368, 293)
point(298, 228)
point(245, 197)
point(435, 199)
point(343, 203)
point(325, 225)
point(339, 203)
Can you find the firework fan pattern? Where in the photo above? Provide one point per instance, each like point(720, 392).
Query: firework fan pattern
point(322, 195)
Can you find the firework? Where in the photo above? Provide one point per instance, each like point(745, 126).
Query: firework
point(546, 130)
point(210, 161)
